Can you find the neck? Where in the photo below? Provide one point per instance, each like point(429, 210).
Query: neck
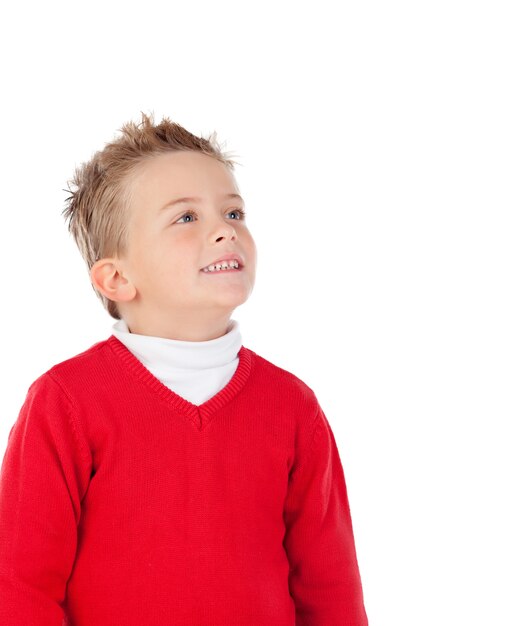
point(183, 329)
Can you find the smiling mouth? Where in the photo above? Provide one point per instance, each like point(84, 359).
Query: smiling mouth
point(231, 270)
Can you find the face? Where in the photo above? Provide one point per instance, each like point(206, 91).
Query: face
point(170, 245)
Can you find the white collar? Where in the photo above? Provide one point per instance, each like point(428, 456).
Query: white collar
point(165, 355)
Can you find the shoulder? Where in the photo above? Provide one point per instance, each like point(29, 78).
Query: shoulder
point(74, 371)
point(284, 381)
point(79, 361)
point(52, 391)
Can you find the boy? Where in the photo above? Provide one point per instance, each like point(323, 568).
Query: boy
point(169, 475)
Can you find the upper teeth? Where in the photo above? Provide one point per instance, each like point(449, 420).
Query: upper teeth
point(224, 265)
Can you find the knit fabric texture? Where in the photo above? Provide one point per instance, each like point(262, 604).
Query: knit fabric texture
point(122, 503)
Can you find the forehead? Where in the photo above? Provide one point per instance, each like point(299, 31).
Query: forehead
point(177, 174)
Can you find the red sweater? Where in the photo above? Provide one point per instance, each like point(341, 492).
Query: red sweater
point(124, 504)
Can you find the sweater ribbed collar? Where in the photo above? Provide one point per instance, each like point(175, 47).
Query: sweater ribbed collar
point(149, 358)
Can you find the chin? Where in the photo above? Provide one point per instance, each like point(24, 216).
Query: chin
point(233, 300)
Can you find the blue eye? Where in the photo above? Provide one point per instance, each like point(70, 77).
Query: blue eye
point(187, 213)
point(239, 212)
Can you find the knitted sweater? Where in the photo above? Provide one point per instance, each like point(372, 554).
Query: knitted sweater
point(122, 503)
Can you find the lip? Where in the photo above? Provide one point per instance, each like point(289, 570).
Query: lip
point(227, 257)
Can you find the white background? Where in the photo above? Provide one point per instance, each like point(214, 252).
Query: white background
point(371, 138)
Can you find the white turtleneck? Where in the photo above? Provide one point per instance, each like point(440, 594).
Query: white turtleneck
point(195, 370)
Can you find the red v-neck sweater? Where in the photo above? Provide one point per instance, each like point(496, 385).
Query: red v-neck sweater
point(124, 504)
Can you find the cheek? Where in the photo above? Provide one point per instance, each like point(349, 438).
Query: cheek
point(183, 250)
point(168, 257)
point(152, 263)
point(251, 247)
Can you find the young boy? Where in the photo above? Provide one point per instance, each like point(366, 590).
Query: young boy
point(168, 475)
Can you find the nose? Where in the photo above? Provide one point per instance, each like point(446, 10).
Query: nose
point(225, 231)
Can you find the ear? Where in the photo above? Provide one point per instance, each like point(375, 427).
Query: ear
point(111, 281)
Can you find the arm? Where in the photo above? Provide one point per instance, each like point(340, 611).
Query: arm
point(324, 578)
point(44, 475)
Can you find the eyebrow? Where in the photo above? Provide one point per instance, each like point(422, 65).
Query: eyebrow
point(195, 199)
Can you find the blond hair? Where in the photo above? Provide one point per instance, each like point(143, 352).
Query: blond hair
point(97, 207)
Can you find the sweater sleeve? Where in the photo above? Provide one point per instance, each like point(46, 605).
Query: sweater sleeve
point(324, 578)
point(44, 475)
